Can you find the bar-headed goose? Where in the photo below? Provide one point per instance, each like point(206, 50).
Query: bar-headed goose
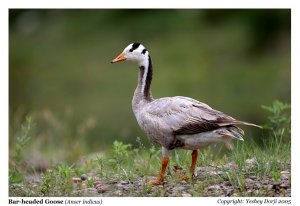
point(176, 122)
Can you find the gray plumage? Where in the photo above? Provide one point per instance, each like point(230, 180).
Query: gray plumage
point(185, 121)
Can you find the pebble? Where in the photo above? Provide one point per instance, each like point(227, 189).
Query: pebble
point(102, 188)
point(118, 193)
point(92, 190)
point(284, 185)
point(214, 187)
point(285, 172)
point(123, 186)
point(231, 165)
point(284, 177)
point(124, 182)
point(227, 183)
point(179, 188)
point(250, 184)
point(269, 187)
point(252, 177)
point(185, 194)
point(84, 185)
point(83, 177)
point(97, 183)
point(229, 192)
point(76, 179)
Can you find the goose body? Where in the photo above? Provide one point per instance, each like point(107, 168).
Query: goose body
point(176, 122)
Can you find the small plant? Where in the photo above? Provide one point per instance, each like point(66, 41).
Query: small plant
point(57, 181)
point(16, 171)
point(99, 162)
point(121, 150)
point(279, 125)
point(120, 156)
point(280, 119)
point(90, 182)
point(48, 183)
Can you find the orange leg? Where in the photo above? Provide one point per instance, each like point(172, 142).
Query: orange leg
point(194, 161)
point(193, 165)
point(160, 178)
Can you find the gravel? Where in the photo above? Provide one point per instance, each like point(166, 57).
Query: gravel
point(210, 181)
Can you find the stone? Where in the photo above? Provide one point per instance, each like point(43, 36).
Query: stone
point(250, 184)
point(76, 179)
point(185, 194)
point(102, 188)
point(229, 192)
point(179, 188)
point(83, 177)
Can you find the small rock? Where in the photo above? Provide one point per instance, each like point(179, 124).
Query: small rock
point(250, 183)
point(102, 188)
point(76, 179)
point(285, 172)
point(231, 165)
point(92, 190)
point(276, 183)
point(227, 183)
point(118, 193)
point(97, 183)
point(265, 182)
point(234, 195)
point(269, 187)
point(229, 192)
point(252, 177)
point(122, 186)
point(124, 182)
point(284, 185)
point(179, 188)
point(276, 187)
point(185, 194)
point(83, 177)
point(213, 187)
point(84, 185)
point(284, 177)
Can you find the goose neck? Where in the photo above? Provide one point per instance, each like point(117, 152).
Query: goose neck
point(143, 90)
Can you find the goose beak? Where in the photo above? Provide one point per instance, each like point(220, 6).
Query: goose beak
point(119, 58)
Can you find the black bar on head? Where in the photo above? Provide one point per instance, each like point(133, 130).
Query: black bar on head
point(134, 46)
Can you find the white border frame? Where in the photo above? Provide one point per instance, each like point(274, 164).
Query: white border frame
point(216, 4)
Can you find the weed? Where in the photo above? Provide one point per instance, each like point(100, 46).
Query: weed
point(279, 123)
point(121, 152)
point(16, 171)
point(99, 163)
point(90, 182)
point(57, 181)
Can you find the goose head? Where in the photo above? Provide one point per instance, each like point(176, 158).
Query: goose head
point(135, 52)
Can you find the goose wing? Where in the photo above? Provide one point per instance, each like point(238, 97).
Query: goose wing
point(188, 116)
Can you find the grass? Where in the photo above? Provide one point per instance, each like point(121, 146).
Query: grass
point(126, 163)
point(16, 171)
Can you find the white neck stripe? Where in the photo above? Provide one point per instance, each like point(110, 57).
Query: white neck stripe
point(146, 67)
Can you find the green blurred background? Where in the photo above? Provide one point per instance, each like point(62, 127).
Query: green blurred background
point(60, 72)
